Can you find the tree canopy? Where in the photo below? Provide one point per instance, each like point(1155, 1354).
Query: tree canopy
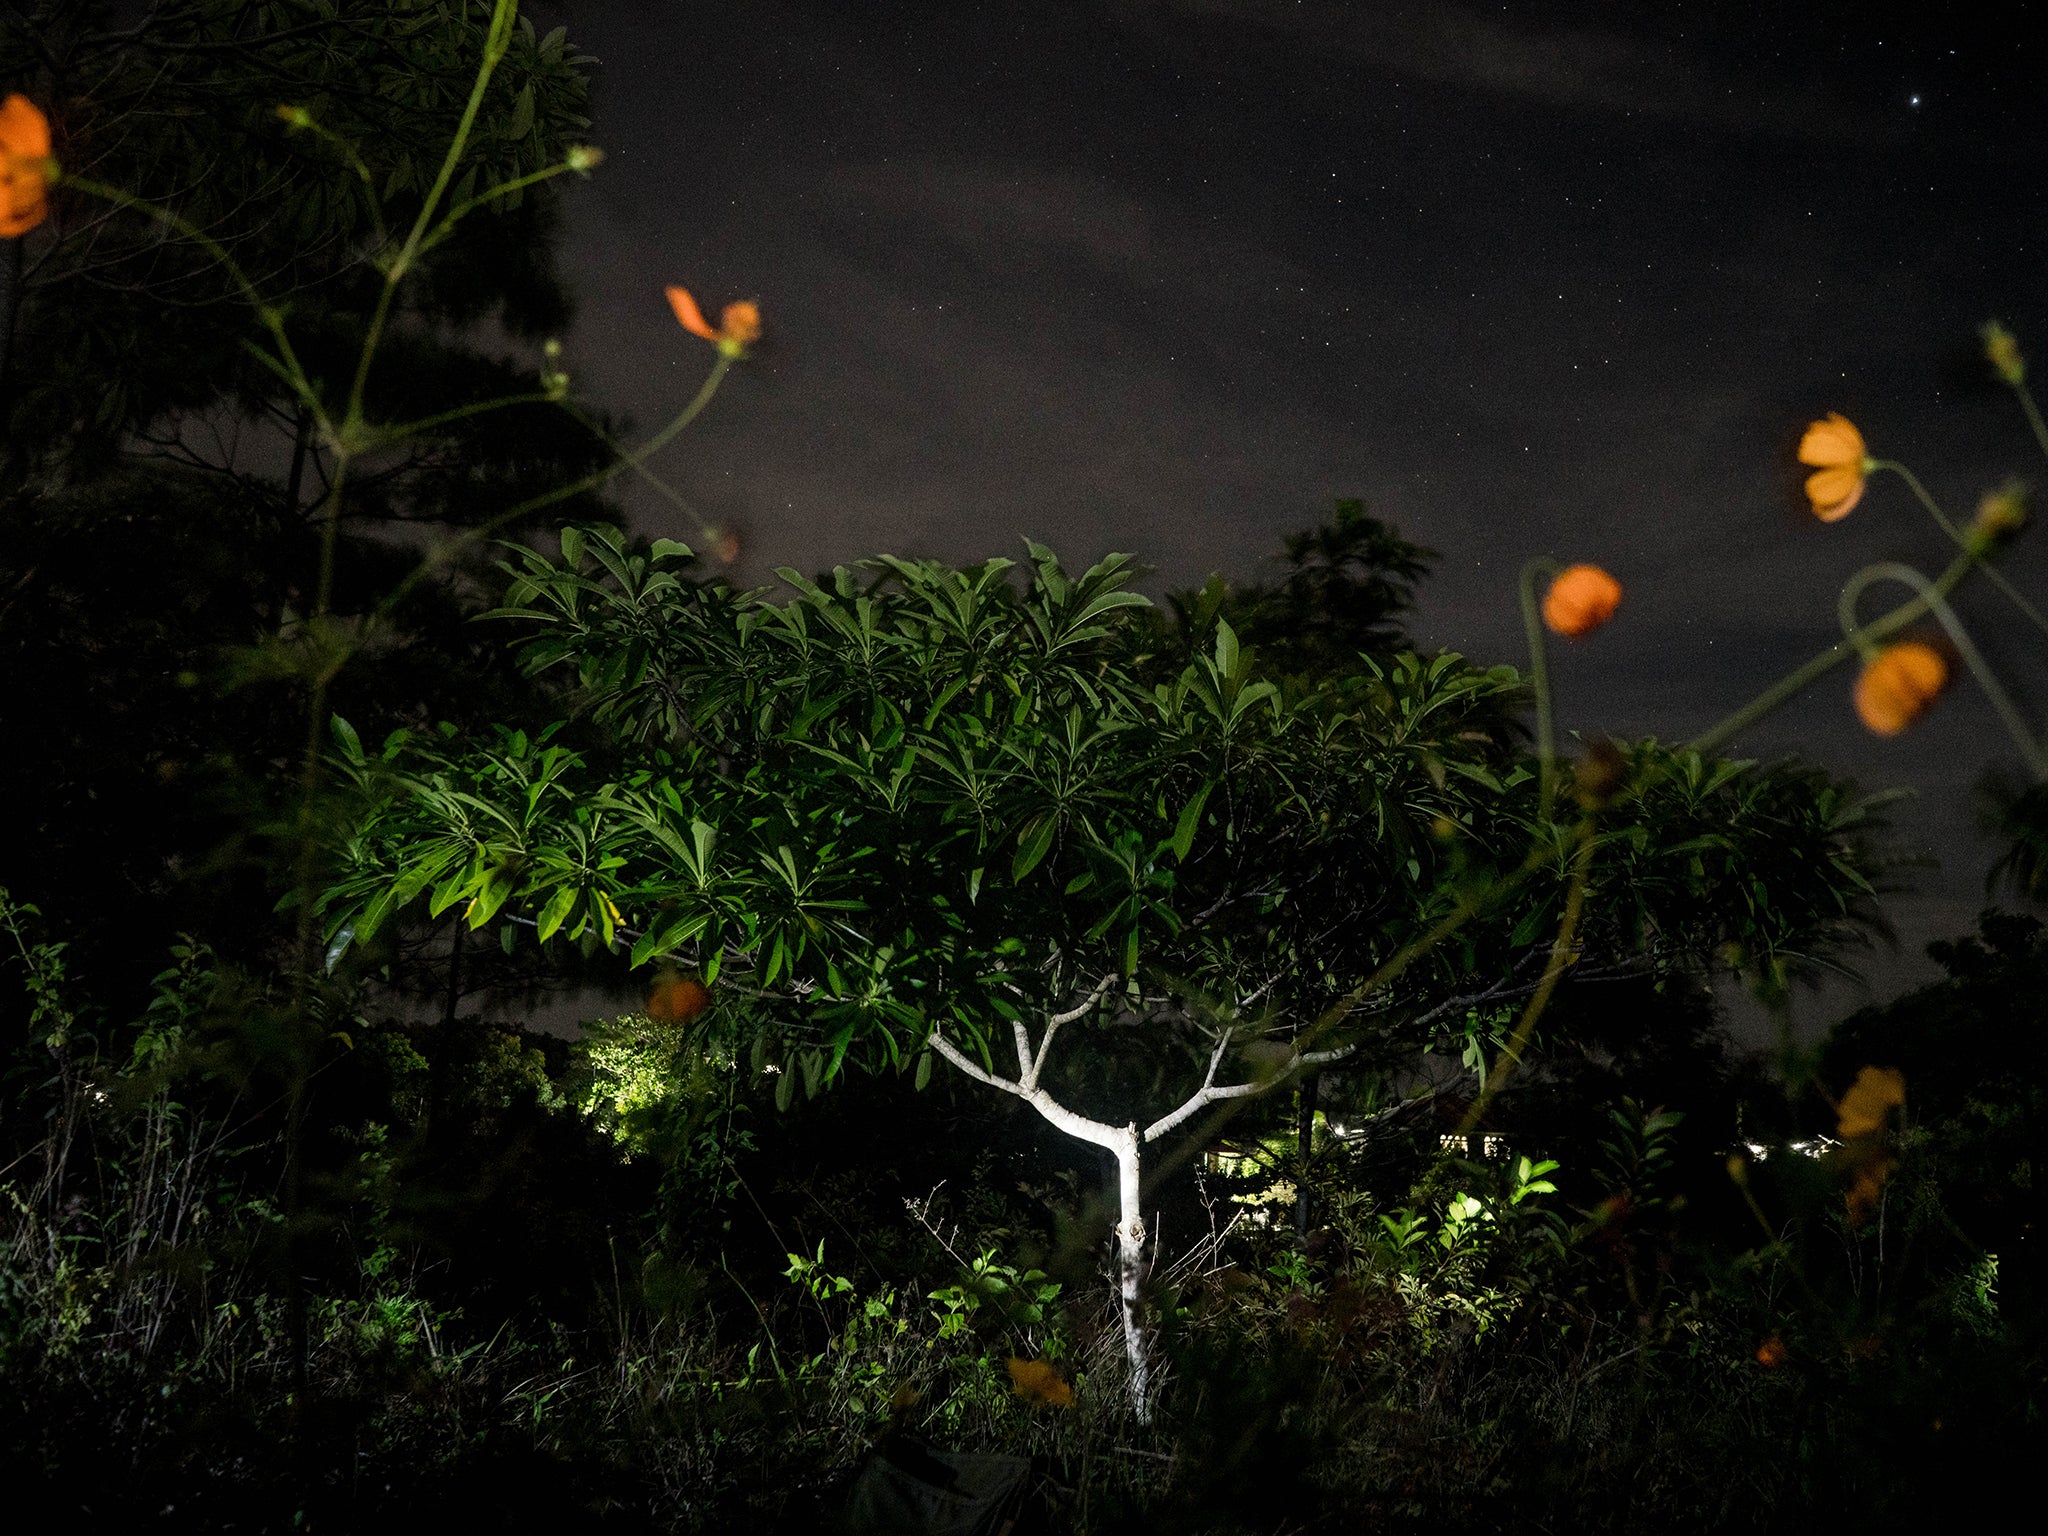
point(914, 798)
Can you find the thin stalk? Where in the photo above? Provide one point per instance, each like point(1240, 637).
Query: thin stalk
point(1962, 542)
point(386, 436)
point(350, 156)
point(285, 364)
point(1561, 954)
point(503, 189)
point(1936, 604)
point(1801, 678)
point(661, 487)
point(445, 550)
point(496, 41)
point(441, 553)
point(2033, 414)
point(1539, 682)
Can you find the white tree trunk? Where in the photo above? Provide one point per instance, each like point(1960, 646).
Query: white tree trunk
point(1130, 1261)
point(1122, 1143)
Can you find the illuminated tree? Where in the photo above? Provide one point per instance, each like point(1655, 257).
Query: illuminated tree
point(916, 811)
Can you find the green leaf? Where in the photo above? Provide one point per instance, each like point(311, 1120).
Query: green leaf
point(1034, 843)
point(346, 738)
point(669, 549)
point(556, 912)
point(1190, 819)
point(924, 1070)
point(1226, 649)
point(785, 1088)
point(522, 113)
point(572, 547)
point(659, 941)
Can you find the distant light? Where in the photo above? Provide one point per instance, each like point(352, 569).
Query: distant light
point(1916, 101)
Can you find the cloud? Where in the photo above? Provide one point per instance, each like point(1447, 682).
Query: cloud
point(1005, 215)
point(1585, 68)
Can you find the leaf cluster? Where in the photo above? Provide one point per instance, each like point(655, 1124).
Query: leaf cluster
point(908, 797)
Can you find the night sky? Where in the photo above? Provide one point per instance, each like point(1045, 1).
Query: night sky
point(1166, 276)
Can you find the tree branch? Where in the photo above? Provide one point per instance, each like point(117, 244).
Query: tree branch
point(1209, 1094)
point(1078, 1126)
point(1036, 1065)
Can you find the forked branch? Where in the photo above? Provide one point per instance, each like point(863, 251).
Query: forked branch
point(1209, 1093)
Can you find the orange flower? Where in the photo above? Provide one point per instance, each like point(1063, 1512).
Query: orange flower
point(24, 166)
point(1771, 1353)
point(1037, 1382)
point(739, 327)
point(678, 999)
point(1835, 448)
point(1874, 1094)
point(1899, 685)
point(1866, 1186)
point(1580, 600)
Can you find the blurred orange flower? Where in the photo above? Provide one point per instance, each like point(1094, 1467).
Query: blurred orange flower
point(1580, 600)
point(678, 999)
point(1037, 1382)
point(1898, 686)
point(2002, 351)
point(739, 327)
point(1875, 1093)
point(1866, 1186)
point(1835, 448)
point(1771, 1353)
point(24, 169)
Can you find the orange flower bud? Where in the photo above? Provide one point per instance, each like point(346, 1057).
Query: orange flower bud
point(739, 326)
point(1580, 600)
point(1835, 448)
point(1771, 1353)
point(1036, 1381)
point(24, 166)
point(678, 999)
point(1898, 686)
point(2002, 352)
point(2001, 514)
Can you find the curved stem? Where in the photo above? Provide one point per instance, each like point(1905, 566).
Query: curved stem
point(1539, 683)
point(1936, 604)
point(638, 456)
point(285, 364)
point(354, 161)
point(2033, 414)
point(441, 553)
point(496, 41)
point(503, 189)
point(1926, 500)
point(1801, 678)
point(661, 487)
point(1962, 540)
point(386, 436)
point(1562, 953)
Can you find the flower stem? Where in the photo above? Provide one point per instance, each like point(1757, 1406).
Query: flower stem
point(1962, 541)
point(1539, 685)
point(440, 553)
point(285, 364)
point(1936, 604)
point(1803, 677)
point(1562, 953)
point(2033, 414)
point(496, 40)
